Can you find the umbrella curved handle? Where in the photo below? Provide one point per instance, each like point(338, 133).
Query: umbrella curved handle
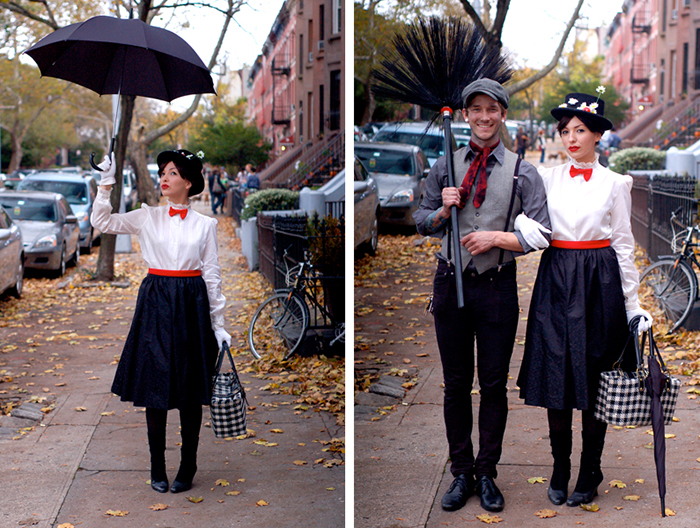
point(92, 162)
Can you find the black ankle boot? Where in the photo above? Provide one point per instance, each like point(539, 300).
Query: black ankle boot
point(185, 476)
point(590, 474)
point(561, 471)
point(156, 423)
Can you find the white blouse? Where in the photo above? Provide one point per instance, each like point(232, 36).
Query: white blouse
point(597, 209)
point(169, 242)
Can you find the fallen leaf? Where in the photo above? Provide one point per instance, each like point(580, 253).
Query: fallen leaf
point(631, 497)
point(65, 525)
point(299, 463)
point(278, 431)
point(536, 480)
point(590, 507)
point(81, 409)
point(261, 503)
point(670, 512)
point(233, 493)
point(196, 500)
point(641, 481)
point(545, 514)
point(222, 482)
point(617, 484)
point(158, 507)
point(330, 489)
point(109, 413)
point(117, 513)
point(489, 519)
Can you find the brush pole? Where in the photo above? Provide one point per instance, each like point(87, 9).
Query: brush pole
point(446, 120)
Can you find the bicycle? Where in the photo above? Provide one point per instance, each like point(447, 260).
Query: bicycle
point(283, 319)
point(671, 280)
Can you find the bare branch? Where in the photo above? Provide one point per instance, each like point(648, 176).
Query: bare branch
point(474, 16)
point(20, 10)
point(501, 12)
point(526, 83)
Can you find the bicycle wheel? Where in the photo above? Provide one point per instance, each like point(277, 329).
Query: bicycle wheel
point(278, 326)
point(668, 291)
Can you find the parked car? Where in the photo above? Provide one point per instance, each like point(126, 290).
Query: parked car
point(400, 172)
point(12, 180)
point(430, 140)
point(80, 191)
point(11, 256)
point(50, 231)
point(367, 210)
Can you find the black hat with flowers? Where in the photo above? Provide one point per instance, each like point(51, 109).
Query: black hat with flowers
point(580, 104)
point(191, 165)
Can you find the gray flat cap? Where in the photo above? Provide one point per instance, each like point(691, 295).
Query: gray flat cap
point(487, 87)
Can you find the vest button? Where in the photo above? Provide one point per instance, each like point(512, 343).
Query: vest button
point(477, 214)
point(476, 227)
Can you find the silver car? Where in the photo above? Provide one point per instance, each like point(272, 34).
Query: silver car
point(367, 210)
point(400, 172)
point(49, 229)
point(11, 256)
point(430, 139)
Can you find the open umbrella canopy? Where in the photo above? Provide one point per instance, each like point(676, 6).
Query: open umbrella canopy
point(123, 56)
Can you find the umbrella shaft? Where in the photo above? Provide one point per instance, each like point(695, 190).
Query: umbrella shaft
point(447, 118)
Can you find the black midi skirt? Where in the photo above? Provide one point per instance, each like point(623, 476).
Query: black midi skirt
point(576, 328)
point(169, 357)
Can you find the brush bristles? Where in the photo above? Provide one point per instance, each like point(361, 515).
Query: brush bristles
point(432, 62)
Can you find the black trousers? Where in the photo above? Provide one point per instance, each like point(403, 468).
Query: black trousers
point(490, 316)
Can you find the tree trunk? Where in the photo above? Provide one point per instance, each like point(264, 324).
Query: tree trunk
point(17, 152)
point(371, 102)
point(139, 162)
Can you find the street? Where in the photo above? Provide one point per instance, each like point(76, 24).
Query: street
point(77, 456)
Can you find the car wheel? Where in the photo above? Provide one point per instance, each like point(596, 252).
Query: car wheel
point(371, 244)
point(16, 290)
point(87, 249)
point(75, 259)
point(61, 271)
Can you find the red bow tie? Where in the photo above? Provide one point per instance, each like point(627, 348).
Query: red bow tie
point(181, 212)
point(586, 173)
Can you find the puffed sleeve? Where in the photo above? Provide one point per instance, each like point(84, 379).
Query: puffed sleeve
point(116, 224)
point(211, 273)
point(622, 240)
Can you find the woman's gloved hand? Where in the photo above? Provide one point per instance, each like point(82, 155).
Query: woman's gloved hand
point(222, 336)
point(644, 323)
point(109, 168)
point(532, 231)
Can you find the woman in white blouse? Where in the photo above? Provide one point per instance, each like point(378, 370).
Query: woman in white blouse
point(169, 355)
point(584, 296)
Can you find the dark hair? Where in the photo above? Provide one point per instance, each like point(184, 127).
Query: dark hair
point(591, 124)
point(180, 169)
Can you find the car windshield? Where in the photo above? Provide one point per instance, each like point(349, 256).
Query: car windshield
point(433, 146)
point(386, 161)
point(75, 192)
point(34, 210)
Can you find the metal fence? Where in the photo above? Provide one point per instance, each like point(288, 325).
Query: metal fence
point(653, 200)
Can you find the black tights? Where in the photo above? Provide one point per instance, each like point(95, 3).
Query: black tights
point(190, 422)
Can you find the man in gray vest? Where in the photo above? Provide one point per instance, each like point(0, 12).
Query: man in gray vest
point(492, 188)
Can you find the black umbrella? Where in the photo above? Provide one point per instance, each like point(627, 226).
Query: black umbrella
point(432, 62)
point(656, 383)
point(123, 56)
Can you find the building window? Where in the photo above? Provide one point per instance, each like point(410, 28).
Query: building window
point(662, 81)
point(697, 59)
point(321, 113)
point(337, 21)
point(311, 40)
point(674, 73)
point(301, 54)
point(684, 85)
point(301, 122)
point(334, 121)
point(321, 22)
point(663, 16)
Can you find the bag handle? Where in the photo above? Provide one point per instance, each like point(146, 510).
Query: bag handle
point(656, 354)
point(641, 371)
point(225, 350)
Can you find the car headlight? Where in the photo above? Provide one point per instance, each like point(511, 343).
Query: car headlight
point(402, 196)
point(47, 241)
point(82, 217)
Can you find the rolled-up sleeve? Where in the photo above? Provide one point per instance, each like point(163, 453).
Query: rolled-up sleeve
point(432, 197)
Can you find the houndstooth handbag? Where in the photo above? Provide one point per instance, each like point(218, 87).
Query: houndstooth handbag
point(623, 398)
point(228, 401)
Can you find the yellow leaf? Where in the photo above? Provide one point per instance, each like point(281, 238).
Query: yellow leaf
point(233, 493)
point(330, 489)
point(261, 503)
point(489, 519)
point(631, 497)
point(545, 514)
point(196, 500)
point(669, 435)
point(241, 480)
point(110, 413)
point(670, 512)
point(617, 484)
point(222, 482)
point(536, 480)
point(80, 409)
point(158, 507)
point(299, 463)
point(641, 481)
point(117, 513)
point(278, 431)
point(590, 507)
point(65, 525)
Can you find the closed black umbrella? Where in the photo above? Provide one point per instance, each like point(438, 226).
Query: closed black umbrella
point(123, 56)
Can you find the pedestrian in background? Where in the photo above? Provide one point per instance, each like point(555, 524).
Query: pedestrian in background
point(521, 143)
point(253, 181)
point(541, 143)
point(584, 296)
point(168, 360)
point(218, 191)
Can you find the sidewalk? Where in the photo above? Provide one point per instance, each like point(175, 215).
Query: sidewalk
point(78, 465)
point(401, 459)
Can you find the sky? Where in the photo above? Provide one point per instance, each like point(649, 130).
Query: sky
point(533, 28)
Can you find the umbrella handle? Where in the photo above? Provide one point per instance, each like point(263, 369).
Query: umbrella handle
point(92, 156)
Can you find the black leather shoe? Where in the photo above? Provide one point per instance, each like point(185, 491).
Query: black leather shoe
point(556, 497)
point(581, 497)
point(461, 489)
point(179, 487)
point(491, 496)
point(161, 486)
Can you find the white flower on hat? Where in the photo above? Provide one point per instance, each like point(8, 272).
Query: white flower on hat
point(563, 105)
point(200, 154)
point(600, 90)
point(572, 101)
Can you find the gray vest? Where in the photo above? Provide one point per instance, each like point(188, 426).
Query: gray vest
point(491, 216)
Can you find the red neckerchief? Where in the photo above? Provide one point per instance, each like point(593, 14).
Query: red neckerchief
point(477, 169)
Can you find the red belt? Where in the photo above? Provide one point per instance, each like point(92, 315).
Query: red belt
point(581, 244)
point(175, 273)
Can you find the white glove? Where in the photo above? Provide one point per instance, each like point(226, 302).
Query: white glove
point(532, 231)
point(222, 336)
point(644, 323)
point(109, 168)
